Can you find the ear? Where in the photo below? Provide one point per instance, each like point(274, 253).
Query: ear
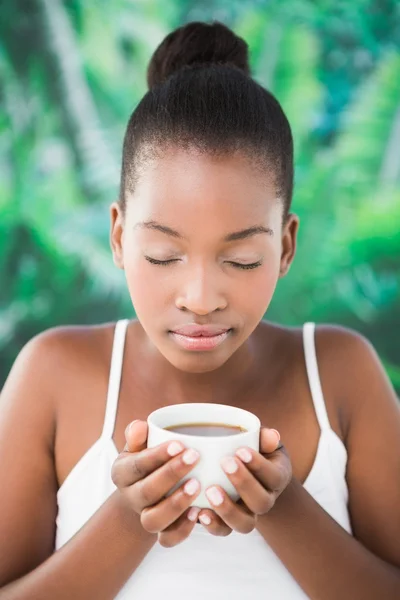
point(116, 234)
point(289, 243)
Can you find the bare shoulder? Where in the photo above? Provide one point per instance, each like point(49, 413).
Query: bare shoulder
point(69, 342)
point(351, 359)
point(334, 344)
point(329, 338)
point(72, 346)
point(352, 369)
point(340, 343)
point(348, 364)
point(52, 361)
point(59, 379)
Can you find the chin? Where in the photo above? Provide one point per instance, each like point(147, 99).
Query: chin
point(197, 362)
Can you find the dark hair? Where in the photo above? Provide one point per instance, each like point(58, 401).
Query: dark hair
point(201, 96)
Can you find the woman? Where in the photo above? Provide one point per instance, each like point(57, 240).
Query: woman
point(203, 231)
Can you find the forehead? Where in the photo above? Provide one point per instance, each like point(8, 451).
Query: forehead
point(186, 186)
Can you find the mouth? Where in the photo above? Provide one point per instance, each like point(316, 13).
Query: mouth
point(200, 338)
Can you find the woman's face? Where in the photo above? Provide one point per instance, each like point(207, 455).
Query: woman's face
point(201, 244)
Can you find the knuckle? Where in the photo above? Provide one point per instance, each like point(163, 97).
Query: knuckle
point(146, 494)
point(248, 527)
point(126, 470)
point(136, 469)
point(229, 511)
point(289, 471)
point(266, 505)
point(115, 473)
point(147, 522)
point(227, 532)
point(174, 470)
point(179, 501)
point(284, 476)
point(166, 540)
point(257, 468)
point(223, 531)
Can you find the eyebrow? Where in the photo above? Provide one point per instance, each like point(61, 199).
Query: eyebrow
point(231, 237)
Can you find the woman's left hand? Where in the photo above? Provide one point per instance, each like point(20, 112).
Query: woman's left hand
point(259, 478)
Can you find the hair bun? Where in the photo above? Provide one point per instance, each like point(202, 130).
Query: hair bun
point(194, 44)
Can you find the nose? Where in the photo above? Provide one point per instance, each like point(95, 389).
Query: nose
point(200, 293)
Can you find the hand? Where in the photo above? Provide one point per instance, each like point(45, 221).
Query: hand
point(259, 479)
point(145, 475)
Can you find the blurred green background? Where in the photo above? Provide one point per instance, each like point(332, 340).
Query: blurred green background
point(71, 72)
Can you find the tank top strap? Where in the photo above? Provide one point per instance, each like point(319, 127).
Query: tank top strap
point(114, 383)
point(313, 376)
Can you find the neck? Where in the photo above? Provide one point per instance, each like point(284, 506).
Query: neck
point(228, 384)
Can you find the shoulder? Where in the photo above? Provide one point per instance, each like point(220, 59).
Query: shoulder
point(55, 356)
point(70, 343)
point(336, 347)
point(341, 342)
point(334, 344)
point(349, 357)
point(348, 366)
point(66, 338)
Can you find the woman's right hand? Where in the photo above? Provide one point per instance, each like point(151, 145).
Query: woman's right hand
point(145, 475)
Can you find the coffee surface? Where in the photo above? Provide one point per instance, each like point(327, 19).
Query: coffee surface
point(206, 429)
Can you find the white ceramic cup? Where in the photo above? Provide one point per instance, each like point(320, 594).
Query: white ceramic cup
point(208, 470)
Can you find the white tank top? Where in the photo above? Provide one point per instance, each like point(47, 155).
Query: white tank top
point(204, 566)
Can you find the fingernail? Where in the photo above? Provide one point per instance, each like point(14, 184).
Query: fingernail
point(229, 464)
point(214, 496)
point(174, 448)
point(244, 454)
point(193, 513)
point(205, 519)
point(190, 456)
point(277, 434)
point(191, 487)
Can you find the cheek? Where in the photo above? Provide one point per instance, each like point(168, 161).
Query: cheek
point(144, 287)
point(255, 296)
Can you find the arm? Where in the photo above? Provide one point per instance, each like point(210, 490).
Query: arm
point(325, 560)
point(98, 560)
point(95, 563)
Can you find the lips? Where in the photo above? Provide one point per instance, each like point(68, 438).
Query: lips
point(194, 331)
point(200, 340)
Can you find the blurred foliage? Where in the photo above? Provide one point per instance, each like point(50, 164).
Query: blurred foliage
point(71, 72)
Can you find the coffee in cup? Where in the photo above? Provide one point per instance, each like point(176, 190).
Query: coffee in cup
point(206, 429)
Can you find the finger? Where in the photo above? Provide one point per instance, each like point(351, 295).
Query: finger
point(157, 518)
point(255, 496)
point(158, 484)
point(213, 523)
point(130, 468)
point(273, 472)
point(180, 529)
point(234, 515)
point(136, 436)
point(269, 440)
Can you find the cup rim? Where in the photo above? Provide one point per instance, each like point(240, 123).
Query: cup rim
point(253, 429)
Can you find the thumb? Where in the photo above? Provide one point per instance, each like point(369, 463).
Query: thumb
point(136, 436)
point(269, 440)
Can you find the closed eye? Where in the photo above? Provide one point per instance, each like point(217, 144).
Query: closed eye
point(237, 265)
point(245, 266)
point(154, 261)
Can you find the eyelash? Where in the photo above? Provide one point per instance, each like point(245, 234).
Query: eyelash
point(165, 263)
